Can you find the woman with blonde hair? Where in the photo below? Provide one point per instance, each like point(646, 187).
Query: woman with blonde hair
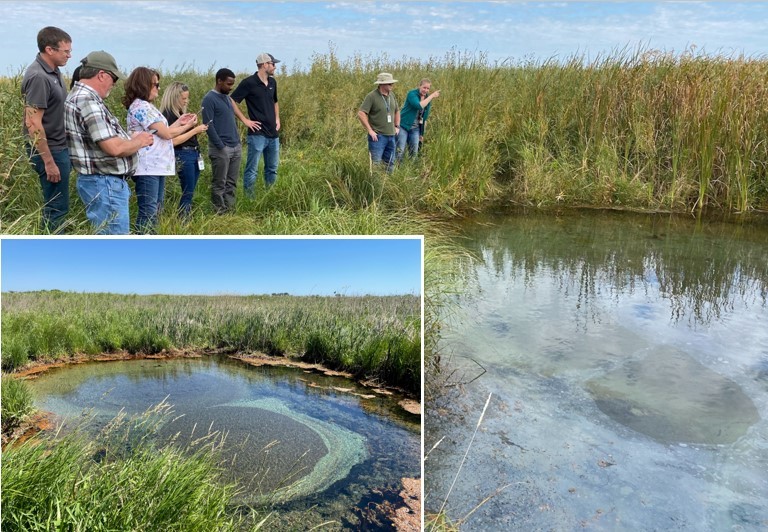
point(156, 161)
point(189, 162)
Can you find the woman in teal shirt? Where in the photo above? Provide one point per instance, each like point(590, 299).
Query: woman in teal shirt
point(413, 115)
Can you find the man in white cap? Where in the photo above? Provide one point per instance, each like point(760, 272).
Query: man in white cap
point(260, 94)
point(102, 152)
point(44, 94)
point(380, 116)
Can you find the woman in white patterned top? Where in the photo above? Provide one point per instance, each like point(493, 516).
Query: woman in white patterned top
point(157, 161)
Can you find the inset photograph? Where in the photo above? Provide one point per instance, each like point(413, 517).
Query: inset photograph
point(212, 384)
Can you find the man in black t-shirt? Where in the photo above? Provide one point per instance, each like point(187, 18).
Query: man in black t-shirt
point(260, 94)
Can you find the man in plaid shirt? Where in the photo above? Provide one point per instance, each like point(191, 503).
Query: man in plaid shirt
point(102, 153)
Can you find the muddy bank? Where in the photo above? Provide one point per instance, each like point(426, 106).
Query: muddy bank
point(411, 404)
point(394, 510)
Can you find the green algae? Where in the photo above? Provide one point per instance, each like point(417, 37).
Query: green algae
point(345, 449)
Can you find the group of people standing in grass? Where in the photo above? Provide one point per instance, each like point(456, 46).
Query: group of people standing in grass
point(77, 130)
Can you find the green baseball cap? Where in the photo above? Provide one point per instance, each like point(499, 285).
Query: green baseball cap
point(102, 61)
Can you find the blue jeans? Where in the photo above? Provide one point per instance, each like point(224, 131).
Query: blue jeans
point(189, 173)
point(383, 150)
point(150, 194)
point(409, 138)
point(55, 195)
point(258, 145)
point(106, 202)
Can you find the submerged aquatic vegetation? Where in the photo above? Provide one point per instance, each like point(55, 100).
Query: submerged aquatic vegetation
point(345, 450)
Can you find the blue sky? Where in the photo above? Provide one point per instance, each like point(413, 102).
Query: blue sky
point(214, 266)
point(210, 35)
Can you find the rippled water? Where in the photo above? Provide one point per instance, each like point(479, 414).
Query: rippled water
point(289, 435)
point(627, 358)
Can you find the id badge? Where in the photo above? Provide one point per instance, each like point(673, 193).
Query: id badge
point(389, 119)
point(200, 163)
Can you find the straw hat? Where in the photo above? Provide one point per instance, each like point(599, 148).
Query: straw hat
point(385, 78)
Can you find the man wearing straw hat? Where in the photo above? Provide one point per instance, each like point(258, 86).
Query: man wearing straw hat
point(380, 116)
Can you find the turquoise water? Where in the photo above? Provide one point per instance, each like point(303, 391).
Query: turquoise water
point(626, 357)
point(290, 439)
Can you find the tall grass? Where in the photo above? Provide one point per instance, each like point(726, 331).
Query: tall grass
point(371, 336)
point(638, 129)
point(16, 403)
point(119, 480)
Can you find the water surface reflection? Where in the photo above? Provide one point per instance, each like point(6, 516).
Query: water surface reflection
point(627, 356)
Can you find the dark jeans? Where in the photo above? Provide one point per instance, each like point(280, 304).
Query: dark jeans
point(189, 173)
point(55, 195)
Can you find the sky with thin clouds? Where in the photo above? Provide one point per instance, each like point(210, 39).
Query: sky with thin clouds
point(209, 35)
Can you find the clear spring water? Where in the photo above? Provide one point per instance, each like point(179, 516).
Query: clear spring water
point(289, 436)
point(627, 358)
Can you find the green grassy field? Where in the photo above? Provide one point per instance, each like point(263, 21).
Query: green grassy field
point(632, 130)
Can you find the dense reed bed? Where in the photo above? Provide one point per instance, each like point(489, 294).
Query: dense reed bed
point(374, 337)
point(631, 129)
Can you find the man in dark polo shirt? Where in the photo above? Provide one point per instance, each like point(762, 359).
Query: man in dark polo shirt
point(260, 94)
point(44, 93)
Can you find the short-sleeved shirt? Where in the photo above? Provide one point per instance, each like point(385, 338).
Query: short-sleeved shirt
point(157, 159)
point(378, 107)
point(88, 122)
point(260, 100)
point(220, 117)
point(43, 88)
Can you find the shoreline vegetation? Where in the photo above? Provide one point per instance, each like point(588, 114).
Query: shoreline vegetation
point(641, 130)
point(120, 480)
point(373, 338)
